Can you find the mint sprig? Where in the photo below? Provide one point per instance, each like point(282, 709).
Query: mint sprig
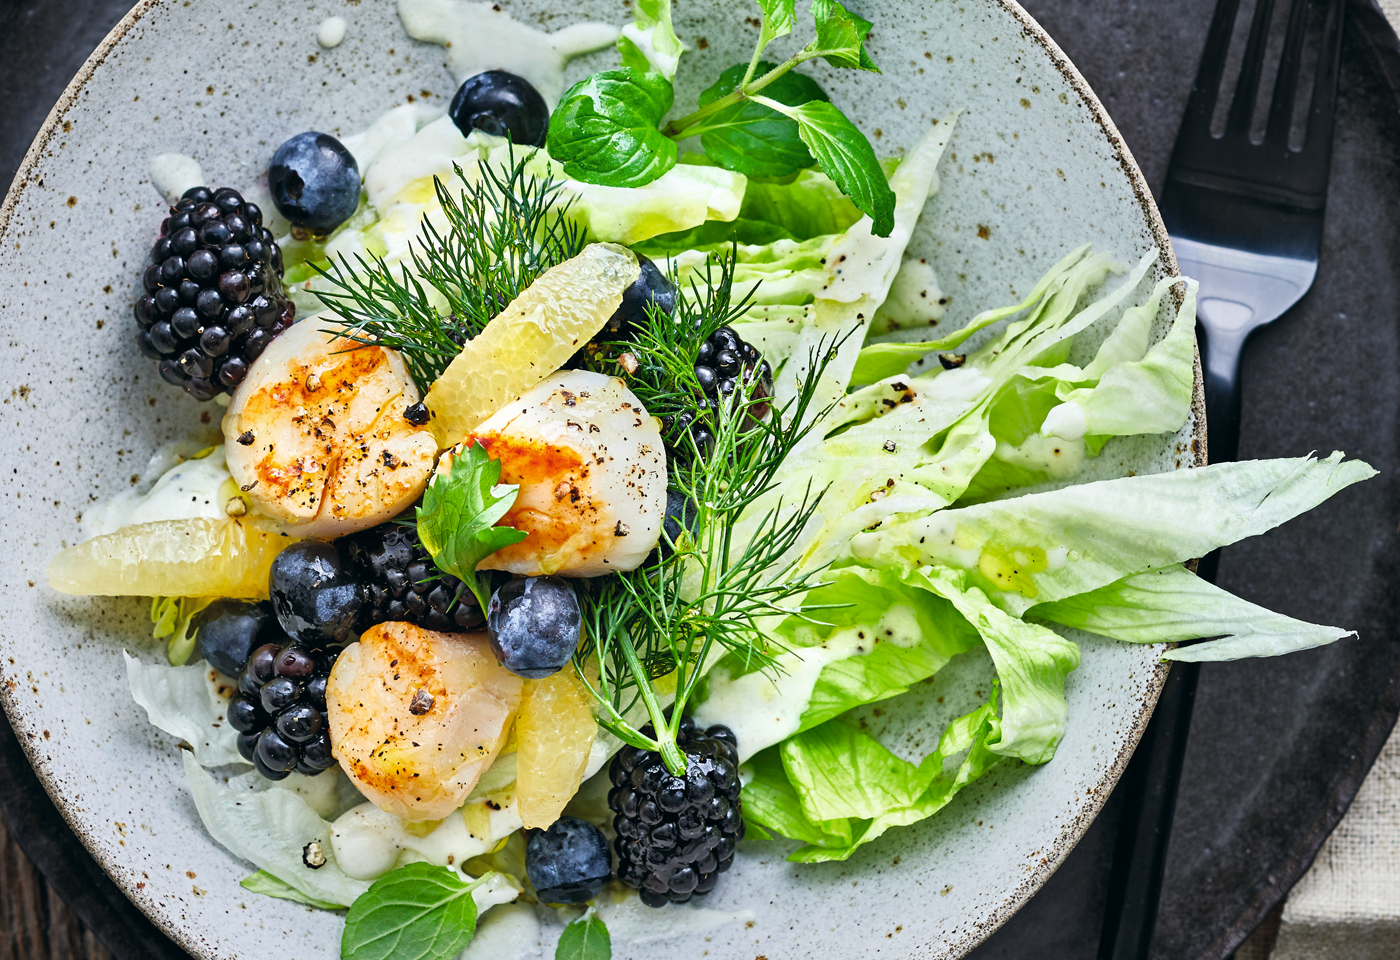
point(457, 521)
point(587, 938)
point(607, 129)
point(421, 911)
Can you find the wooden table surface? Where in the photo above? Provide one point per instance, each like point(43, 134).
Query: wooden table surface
point(34, 923)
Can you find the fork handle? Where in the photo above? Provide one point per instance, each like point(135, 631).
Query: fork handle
point(1220, 360)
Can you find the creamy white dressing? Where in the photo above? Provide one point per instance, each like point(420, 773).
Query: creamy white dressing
point(510, 932)
point(368, 842)
point(960, 383)
point(331, 32)
point(482, 36)
point(1067, 421)
point(174, 173)
point(176, 486)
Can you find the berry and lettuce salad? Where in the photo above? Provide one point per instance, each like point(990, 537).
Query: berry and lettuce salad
point(578, 477)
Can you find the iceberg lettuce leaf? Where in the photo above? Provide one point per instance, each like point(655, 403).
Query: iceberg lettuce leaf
point(188, 703)
point(1051, 546)
point(1032, 663)
point(1172, 604)
point(838, 788)
point(269, 826)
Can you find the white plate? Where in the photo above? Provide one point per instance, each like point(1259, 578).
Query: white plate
point(1035, 168)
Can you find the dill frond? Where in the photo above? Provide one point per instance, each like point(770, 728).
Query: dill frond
point(502, 230)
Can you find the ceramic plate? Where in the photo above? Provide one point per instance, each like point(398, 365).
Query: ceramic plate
point(1034, 169)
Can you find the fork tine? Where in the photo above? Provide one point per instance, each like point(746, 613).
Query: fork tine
point(1286, 86)
point(1247, 90)
point(1324, 98)
point(1206, 92)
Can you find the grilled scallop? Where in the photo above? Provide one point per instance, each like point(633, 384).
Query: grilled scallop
point(416, 717)
point(592, 476)
point(316, 434)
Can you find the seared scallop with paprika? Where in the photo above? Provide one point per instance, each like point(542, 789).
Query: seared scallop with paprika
point(416, 717)
point(317, 438)
point(591, 469)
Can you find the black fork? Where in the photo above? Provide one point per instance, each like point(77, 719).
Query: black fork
point(1245, 218)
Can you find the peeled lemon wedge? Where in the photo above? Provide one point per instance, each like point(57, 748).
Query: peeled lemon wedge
point(531, 338)
point(554, 732)
point(173, 558)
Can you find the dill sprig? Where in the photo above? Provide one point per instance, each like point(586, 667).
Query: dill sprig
point(706, 594)
point(502, 230)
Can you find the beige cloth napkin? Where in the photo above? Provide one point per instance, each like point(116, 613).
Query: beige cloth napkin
point(1347, 906)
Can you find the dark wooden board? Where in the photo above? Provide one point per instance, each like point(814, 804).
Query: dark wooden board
point(1278, 748)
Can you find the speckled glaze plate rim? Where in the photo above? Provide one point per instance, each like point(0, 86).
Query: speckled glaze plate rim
point(1063, 843)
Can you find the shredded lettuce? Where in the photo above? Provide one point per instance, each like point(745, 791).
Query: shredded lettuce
point(269, 886)
point(270, 826)
point(188, 703)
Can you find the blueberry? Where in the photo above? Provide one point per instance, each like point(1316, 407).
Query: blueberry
point(315, 600)
point(229, 631)
point(315, 181)
point(653, 289)
point(534, 624)
point(502, 104)
point(569, 862)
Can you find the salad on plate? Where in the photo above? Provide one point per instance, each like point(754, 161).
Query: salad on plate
point(582, 469)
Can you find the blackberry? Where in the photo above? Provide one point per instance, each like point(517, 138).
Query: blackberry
point(722, 364)
point(280, 710)
point(402, 583)
point(213, 292)
point(676, 835)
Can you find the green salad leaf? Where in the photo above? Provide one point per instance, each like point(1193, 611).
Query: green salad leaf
point(270, 886)
point(420, 911)
point(605, 128)
point(1172, 604)
point(586, 938)
point(837, 788)
point(753, 139)
point(457, 521)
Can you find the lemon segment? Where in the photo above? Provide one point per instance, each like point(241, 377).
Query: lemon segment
point(199, 557)
point(555, 731)
point(531, 338)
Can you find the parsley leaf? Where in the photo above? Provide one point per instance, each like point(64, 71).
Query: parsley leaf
point(753, 139)
point(845, 156)
point(604, 130)
point(840, 37)
point(418, 912)
point(457, 519)
point(587, 938)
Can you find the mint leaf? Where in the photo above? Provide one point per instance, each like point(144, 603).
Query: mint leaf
point(604, 130)
point(840, 37)
point(750, 138)
point(650, 42)
point(586, 938)
point(418, 912)
point(845, 156)
point(457, 521)
point(778, 18)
